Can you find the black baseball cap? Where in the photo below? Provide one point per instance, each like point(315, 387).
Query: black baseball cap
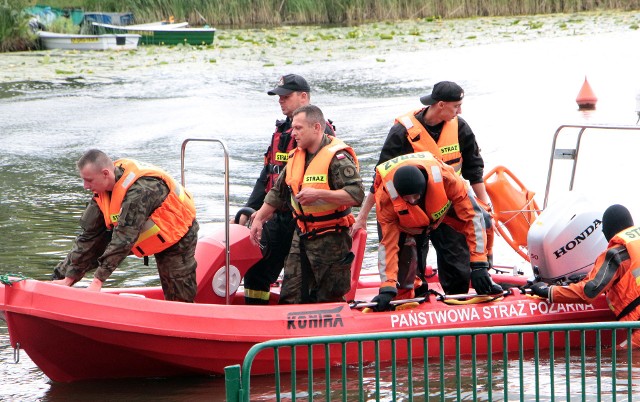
point(290, 83)
point(445, 91)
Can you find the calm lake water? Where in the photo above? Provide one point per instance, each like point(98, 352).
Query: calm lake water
point(521, 81)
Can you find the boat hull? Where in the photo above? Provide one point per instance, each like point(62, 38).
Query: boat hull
point(51, 40)
point(158, 35)
point(73, 334)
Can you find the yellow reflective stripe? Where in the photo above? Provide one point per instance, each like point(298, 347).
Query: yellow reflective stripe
point(479, 227)
point(257, 294)
point(385, 167)
point(126, 182)
point(438, 214)
point(449, 149)
point(180, 192)
point(315, 178)
point(630, 234)
point(148, 232)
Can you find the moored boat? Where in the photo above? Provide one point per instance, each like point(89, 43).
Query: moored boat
point(163, 35)
point(157, 24)
point(52, 40)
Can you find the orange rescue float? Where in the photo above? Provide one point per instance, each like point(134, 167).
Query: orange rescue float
point(514, 208)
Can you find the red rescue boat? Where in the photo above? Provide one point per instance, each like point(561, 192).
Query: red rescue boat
point(72, 334)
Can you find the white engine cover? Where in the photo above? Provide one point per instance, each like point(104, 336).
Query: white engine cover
point(566, 238)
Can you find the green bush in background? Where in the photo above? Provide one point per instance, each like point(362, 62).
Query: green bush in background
point(14, 27)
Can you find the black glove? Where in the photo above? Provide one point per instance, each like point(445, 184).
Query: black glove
point(384, 298)
point(481, 280)
point(422, 290)
point(540, 289)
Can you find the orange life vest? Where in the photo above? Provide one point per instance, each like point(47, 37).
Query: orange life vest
point(447, 149)
point(166, 225)
point(624, 296)
point(436, 204)
point(323, 216)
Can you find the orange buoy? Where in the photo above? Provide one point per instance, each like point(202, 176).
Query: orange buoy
point(586, 98)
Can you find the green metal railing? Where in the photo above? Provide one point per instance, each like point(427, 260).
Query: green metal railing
point(547, 362)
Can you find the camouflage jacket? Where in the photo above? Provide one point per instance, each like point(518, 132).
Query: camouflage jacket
point(97, 247)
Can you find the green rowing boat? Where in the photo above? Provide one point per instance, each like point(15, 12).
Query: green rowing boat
point(162, 34)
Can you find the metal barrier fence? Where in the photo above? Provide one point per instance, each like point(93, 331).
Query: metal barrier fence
point(554, 362)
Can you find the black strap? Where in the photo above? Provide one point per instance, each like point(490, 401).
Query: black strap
point(272, 168)
point(630, 307)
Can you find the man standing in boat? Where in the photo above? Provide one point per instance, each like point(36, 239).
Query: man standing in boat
point(320, 183)
point(615, 272)
point(293, 92)
point(136, 208)
point(414, 194)
point(439, 130)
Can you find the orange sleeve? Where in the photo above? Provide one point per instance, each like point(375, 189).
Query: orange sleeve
point(467, 220)
point(574, 292)
point(388, 249)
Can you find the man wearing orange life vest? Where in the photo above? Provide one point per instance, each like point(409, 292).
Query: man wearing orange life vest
point(438, 129)
point(614, 273)
point(320, 183)
point(414, 194)
point(293, 92)
point(136, 208)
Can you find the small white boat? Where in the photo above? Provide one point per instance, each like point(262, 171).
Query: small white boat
point(52, 40)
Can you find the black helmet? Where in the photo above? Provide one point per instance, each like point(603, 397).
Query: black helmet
point(615, 219)
point(409, 180)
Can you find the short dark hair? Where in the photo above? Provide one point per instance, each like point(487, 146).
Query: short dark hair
point(96, 157)
point(313, 115)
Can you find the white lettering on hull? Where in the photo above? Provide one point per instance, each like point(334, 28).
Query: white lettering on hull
point(498, 311)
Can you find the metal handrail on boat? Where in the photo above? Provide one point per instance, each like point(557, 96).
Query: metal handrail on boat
point(572, 153)
point(227, 260)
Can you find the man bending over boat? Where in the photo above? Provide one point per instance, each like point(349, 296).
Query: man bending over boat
point(614, 273)
point(438, 128)
point(321, 183)
point(414, 194)
point(293, 91)
point(136, 208)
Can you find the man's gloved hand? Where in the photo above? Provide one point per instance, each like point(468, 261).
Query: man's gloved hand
point(540, 289)
point(481, 280)
point(383, 299)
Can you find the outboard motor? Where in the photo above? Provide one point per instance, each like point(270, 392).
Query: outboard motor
point(211, 256)
point(565, 240)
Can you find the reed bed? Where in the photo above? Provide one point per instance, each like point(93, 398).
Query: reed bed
point(15, 34)
point(244, 13)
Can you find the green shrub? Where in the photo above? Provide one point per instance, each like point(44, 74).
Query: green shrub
point(15, 34)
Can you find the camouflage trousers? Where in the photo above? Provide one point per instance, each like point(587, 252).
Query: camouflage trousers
point(177, 268)
point(328, 277)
